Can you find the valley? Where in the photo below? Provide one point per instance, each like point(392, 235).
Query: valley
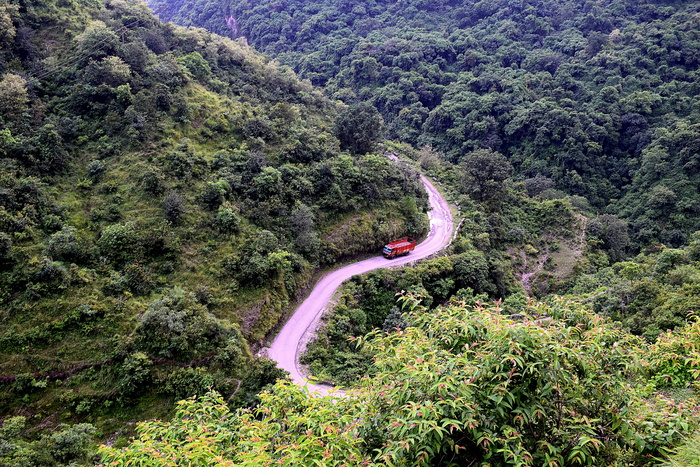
point(175, 177)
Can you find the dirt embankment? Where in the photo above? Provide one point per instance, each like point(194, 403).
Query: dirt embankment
point(555, 258)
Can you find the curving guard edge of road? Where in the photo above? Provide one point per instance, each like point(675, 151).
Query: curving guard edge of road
point(291, 341)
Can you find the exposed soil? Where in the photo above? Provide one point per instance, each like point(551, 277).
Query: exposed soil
point(562, 260)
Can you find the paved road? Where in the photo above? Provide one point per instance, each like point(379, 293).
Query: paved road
point(290, 343)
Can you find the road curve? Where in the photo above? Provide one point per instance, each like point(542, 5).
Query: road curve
point(291, 341)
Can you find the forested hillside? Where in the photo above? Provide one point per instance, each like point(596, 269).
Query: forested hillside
point(165, 194)
point(600, 97)
point(568, 135)
point(516, 106)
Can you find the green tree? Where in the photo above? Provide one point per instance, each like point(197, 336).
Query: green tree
point(359, 128)
point(120, 242)
point(67, 245)
point(614, 234)
point(112, 71)
point(178, 327)
point(484, 172)
point(303, 222)
point(97, 41)
point(7, 28)
point(67, 445)
point(13, 97)
point(196, 65)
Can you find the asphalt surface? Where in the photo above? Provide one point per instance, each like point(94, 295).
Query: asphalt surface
point(291, 341)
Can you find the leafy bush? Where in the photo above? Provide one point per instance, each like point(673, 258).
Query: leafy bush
point(173, 207)
point(5, 246)
point(71, 442)
point(120, 242)
point(66, 245)
point(227, 219)
point(359, 128)
point(178, 327)
point(96, 169)
point(48, 271)
point(261, 376)
point(136, 373)
point(138, 279)
point(68, 445)
point(187, 382)
point(213, 194)
point(196, 65)
point(153, 182)
point(206, 425)
point(675, 357)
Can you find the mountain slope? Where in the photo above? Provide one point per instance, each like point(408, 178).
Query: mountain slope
point(165, 194)
point(589, 94)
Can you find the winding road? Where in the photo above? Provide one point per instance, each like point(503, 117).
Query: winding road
point(291, 341)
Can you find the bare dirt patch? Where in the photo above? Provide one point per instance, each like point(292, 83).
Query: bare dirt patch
point(558, 256)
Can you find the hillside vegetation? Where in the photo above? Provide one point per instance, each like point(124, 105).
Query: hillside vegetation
point(567, 133)
point(599, 98)
point(165, 195)
point(527, 111)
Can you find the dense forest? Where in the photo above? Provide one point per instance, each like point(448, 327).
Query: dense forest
point(600, 97)
point(168, 193)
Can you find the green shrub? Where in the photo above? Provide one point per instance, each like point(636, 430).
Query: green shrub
point(96, 169)
point(66, 245)
point(120, 242)
point(138, 279)
point(5, 246)
point(71, 442)
point(227, 219)
point(48, 271)
point(213, 194)
point(173, 206)
point(153, 181)
point(187, 382)
point(68, 445)
point(196, 65)
point(668, 259)
point(180, 328)
point(136, 373)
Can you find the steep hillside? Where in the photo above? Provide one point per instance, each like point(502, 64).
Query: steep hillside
point(654, 292)
point(165, 193)
point(516, 106)
point(600, 97)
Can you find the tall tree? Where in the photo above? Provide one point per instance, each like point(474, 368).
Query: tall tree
point(483, 173)
point(359, 128)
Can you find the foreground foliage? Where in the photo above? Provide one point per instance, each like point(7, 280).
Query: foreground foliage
point(553, 385)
